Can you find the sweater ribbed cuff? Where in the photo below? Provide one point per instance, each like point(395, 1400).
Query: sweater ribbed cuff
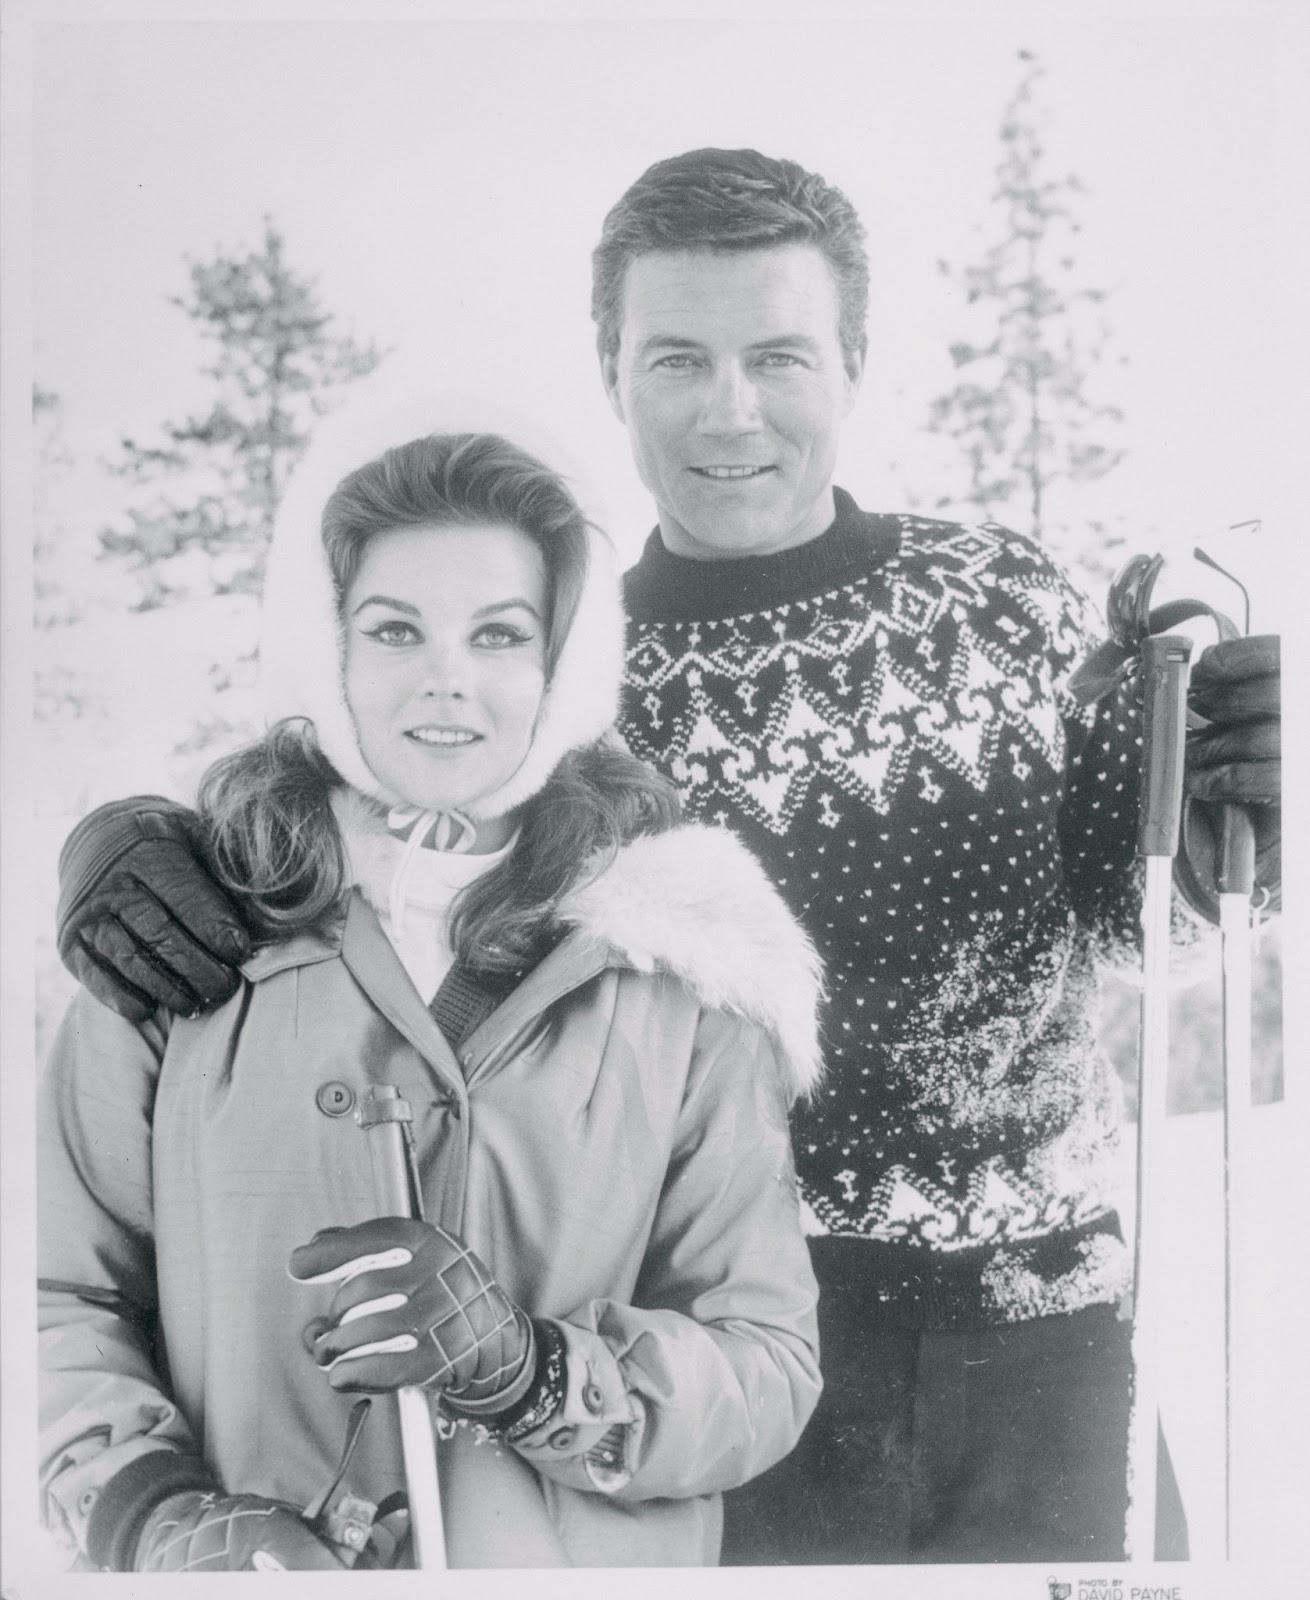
point(129, 1497)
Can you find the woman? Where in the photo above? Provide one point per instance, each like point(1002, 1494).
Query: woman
point(596, 1016)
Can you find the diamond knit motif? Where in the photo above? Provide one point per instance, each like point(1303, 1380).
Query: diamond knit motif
point(931, 665)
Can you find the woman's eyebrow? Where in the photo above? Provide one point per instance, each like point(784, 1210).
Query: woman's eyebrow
point(508, 605)
point(386, 600)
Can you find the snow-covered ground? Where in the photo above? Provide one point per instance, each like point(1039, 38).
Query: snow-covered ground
point(1272, 1394)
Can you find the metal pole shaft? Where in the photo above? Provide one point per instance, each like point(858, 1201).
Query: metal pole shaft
point(1164, 681)
point(1236, 876)
point(417, 1435)
point(1153, 1082)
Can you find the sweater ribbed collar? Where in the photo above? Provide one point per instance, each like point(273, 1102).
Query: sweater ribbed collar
point(664, 587)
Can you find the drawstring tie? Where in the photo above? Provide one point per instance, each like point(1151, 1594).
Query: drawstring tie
point(449, 831)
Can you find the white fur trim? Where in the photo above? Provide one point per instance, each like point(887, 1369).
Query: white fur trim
point(696, 903)
point(301, 644)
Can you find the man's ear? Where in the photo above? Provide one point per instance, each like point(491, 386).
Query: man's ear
point(609, 376)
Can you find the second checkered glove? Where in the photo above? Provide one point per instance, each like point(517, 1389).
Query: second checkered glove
point(205, 1532)
point(416, 1307)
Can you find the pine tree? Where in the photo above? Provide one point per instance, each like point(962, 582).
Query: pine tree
point(52, 462)
point(1026, 412)
point(209, 488)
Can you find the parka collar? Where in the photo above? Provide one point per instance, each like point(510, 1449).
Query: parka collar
point(357, 939)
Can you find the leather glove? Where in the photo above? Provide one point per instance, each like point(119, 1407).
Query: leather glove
point(416, 1307)
point(141, 922)
point(1234, 759)
point(205, 1532)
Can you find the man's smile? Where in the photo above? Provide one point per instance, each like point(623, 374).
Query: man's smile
point(721, 473)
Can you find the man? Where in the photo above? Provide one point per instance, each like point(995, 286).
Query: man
point(878, 706)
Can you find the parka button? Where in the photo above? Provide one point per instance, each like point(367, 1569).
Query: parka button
point(335, 1099)
point(562, 1438)
point(592, 1398)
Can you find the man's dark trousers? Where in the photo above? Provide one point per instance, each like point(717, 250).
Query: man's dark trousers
point(1002, 1443)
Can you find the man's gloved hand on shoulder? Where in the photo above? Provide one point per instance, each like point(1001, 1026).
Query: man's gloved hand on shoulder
point(141, 921)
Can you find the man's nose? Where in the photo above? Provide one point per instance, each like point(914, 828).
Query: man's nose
point(731, 403)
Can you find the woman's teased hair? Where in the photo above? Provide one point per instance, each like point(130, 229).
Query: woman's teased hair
point(273, 839)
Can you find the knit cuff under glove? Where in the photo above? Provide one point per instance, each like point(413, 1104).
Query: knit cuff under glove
point(547, 1386)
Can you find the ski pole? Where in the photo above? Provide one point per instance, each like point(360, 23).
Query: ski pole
point(1132, 621)
point(1236, 881)
point(383, 1114)
point(1164, 661)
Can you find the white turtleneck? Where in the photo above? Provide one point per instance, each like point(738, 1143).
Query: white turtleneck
point(431, 880)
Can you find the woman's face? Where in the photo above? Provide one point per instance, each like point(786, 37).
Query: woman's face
point(446, 662)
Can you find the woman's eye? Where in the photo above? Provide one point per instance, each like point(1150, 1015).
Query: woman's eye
point(393, 633)
point(500, 634)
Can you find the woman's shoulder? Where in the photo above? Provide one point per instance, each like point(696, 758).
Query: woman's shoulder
point(693, 902)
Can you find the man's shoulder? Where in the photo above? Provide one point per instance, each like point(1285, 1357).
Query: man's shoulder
point(975, 540)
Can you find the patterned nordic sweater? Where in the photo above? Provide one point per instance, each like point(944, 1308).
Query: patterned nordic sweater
point(881, 716)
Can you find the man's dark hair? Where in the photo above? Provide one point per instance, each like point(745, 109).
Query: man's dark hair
point(726, 200)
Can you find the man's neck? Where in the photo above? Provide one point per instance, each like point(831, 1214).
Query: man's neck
point(678, 541)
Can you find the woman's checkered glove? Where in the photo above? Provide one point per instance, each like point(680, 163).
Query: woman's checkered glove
point(416, 1307)
point(205, 1532)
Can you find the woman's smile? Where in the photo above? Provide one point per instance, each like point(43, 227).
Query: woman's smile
point(443, 738)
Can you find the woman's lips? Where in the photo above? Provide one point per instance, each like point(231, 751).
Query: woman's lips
point(442, 738)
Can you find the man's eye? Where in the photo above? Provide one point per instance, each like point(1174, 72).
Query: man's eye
point(779, 358)
point(678, 361)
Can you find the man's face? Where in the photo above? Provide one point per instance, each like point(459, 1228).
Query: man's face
point(731, 380)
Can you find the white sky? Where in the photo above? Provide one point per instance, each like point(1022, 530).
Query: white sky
point(446, 180)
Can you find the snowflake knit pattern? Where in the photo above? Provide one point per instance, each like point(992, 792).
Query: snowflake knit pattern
point(881, 716)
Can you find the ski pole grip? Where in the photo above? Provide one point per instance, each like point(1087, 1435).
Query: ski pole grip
point(1235, 873)
point(381, 1114)
point(1165, 659)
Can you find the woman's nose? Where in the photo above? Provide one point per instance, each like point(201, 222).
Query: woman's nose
point(446, 671)
point(731, 404)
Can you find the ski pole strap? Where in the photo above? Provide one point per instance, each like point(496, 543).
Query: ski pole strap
point(1110, 663)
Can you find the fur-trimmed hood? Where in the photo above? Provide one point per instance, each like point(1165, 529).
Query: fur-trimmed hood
point(301, 649)
point(692, 902)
